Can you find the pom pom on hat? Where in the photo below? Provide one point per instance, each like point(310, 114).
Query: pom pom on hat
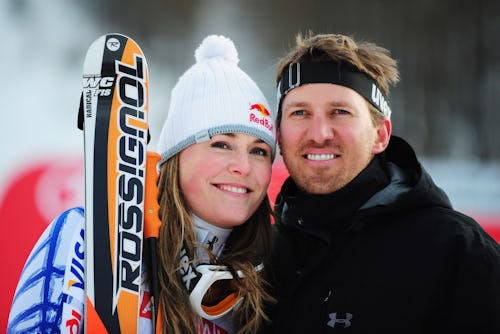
point(214, 96)
point(217, 46)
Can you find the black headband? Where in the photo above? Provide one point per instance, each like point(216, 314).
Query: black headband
point(297, 74)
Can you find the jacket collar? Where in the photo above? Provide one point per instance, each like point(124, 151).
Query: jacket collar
point(318, 213)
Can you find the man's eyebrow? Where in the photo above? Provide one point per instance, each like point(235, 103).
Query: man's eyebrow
point(301, 104)
point(297, 104)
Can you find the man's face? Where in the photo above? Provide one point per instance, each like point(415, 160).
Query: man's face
point(327, 137)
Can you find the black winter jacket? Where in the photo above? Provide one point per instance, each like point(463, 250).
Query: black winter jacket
point(385, 254)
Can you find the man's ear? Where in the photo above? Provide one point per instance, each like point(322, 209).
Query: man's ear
point(383, 136)
point(278, 138)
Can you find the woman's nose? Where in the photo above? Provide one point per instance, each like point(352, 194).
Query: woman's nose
point(240, 163)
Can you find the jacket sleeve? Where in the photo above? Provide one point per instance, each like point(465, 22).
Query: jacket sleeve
point(50, 293)
point(475, 294)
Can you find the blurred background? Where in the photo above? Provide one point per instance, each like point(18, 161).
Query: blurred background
point(446, 105)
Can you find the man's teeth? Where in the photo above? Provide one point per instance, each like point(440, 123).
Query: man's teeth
point(233, 189)
point(320, 157)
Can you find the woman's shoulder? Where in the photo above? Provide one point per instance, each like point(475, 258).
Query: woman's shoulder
point(52, 280)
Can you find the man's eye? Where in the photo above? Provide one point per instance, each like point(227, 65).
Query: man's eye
point(298, 112)
point(220, 144)
point(341, 112)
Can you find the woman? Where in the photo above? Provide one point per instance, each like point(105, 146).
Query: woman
point(217, 147)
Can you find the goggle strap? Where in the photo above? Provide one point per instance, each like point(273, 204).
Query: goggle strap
point(222, 306)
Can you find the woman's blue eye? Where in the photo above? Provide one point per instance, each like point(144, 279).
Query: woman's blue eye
point(260, 151)
point(220, 144)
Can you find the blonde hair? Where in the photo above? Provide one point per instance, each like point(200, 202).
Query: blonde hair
point(369, 58)
point(247, 246)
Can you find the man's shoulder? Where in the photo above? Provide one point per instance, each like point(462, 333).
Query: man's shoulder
point(449, 226)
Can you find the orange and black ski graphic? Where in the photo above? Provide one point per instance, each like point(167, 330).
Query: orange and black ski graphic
point(115, 114)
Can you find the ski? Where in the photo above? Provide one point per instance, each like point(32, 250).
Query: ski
point(114, 116)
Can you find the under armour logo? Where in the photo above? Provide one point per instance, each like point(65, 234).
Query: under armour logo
point(334, 320)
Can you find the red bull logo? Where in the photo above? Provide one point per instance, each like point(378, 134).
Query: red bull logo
point(264, 118)
point(260, 108)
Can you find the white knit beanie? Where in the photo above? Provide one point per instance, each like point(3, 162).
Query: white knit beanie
point(212, 97)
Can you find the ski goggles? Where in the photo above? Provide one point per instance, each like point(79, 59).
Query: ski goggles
point(213, 276)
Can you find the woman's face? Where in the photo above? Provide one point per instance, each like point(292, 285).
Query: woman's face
point(225, 179)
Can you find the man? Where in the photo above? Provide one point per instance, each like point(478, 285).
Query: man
point(366, 242)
